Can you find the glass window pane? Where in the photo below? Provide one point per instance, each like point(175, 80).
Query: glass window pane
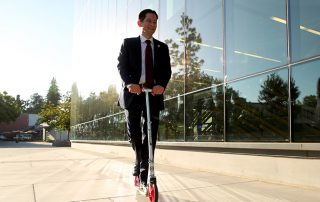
point(305, 94)
point(134, 8)
point(305, 28)
point(121, 22)
point(255, 36)
point(257, 108)
point(108, 128)
point(204, 44)
point(171, 13)
point(150, 4)
point(204, 115)
point(171, 127)
point(95, 39)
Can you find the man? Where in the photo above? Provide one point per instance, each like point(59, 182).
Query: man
point(143, 66)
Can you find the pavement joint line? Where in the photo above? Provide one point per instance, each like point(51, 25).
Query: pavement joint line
point(34, 193)
point(236, 183)
point(188, 188)
point(67, 181)
point(4, 162)
point(273, 183)
point(112, 197)
point(14, 185)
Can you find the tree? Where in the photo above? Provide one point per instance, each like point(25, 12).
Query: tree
point(9, 108)
point(63, 116)
point(49, 114)
point(21, 103)
point(53, 95)
point(35, 103)
point(57, 116)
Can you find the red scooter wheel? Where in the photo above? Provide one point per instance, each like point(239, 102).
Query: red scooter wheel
point(153, 192)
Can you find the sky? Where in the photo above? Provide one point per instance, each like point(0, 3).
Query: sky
point(36, 38)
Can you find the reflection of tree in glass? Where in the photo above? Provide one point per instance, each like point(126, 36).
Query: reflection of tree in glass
point(187, 77)
point(239, 116)
point(92, 108)
point(311, 105)
point(97, 106)
point(307, 117)
point(275, 92)
point(172, 120)
point(274, 97)
point(265, 120)
point(310, 101)
point(75, 104)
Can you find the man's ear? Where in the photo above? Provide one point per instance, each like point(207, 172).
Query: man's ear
point(139, 23)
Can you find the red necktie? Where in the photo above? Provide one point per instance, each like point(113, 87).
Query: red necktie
point(149, 65)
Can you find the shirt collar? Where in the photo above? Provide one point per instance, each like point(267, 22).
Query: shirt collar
point(143, 39)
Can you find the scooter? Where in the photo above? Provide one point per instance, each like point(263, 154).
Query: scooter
point(152, 189)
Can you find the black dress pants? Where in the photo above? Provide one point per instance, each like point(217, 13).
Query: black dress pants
point(136, 118)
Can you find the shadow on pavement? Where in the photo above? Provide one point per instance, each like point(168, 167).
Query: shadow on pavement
point(13, 144)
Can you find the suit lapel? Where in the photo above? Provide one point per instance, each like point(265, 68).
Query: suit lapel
point(155, 49)
point(138, 46)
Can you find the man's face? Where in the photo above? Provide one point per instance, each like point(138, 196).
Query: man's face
point(149, 24)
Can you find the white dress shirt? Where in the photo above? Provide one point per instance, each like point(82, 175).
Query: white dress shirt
point(143, 55)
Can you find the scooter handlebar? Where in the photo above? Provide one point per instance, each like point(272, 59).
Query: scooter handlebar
point(148, 90)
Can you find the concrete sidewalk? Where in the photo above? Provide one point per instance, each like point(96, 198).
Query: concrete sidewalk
point(42, 173)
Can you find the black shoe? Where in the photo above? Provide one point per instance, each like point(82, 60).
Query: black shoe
point(144, 176)
point(136, 170)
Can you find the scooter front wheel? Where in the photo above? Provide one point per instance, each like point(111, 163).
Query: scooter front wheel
point(153, 192)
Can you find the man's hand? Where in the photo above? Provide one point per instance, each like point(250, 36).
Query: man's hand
point(134, 88)
point(157, 90)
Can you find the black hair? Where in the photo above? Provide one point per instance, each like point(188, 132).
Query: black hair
point(143, 13)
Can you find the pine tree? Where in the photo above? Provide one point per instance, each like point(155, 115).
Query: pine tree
point(53, 95)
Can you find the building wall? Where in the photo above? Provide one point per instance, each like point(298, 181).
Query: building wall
point(20, 124)
point(243, 71)
point(33, 118)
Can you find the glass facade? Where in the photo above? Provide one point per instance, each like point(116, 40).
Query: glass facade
point(243, 71)
point(257, 108)
point(254, 41)
point(305, 96)
point(305, 29)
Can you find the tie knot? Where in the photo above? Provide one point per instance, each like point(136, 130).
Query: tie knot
point(148, 42)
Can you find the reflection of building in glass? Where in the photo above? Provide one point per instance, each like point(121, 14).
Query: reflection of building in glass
point(240, 72)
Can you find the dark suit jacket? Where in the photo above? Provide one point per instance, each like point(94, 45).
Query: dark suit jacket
point(129, 67)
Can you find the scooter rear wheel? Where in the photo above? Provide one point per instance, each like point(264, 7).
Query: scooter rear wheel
point(153, 192)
